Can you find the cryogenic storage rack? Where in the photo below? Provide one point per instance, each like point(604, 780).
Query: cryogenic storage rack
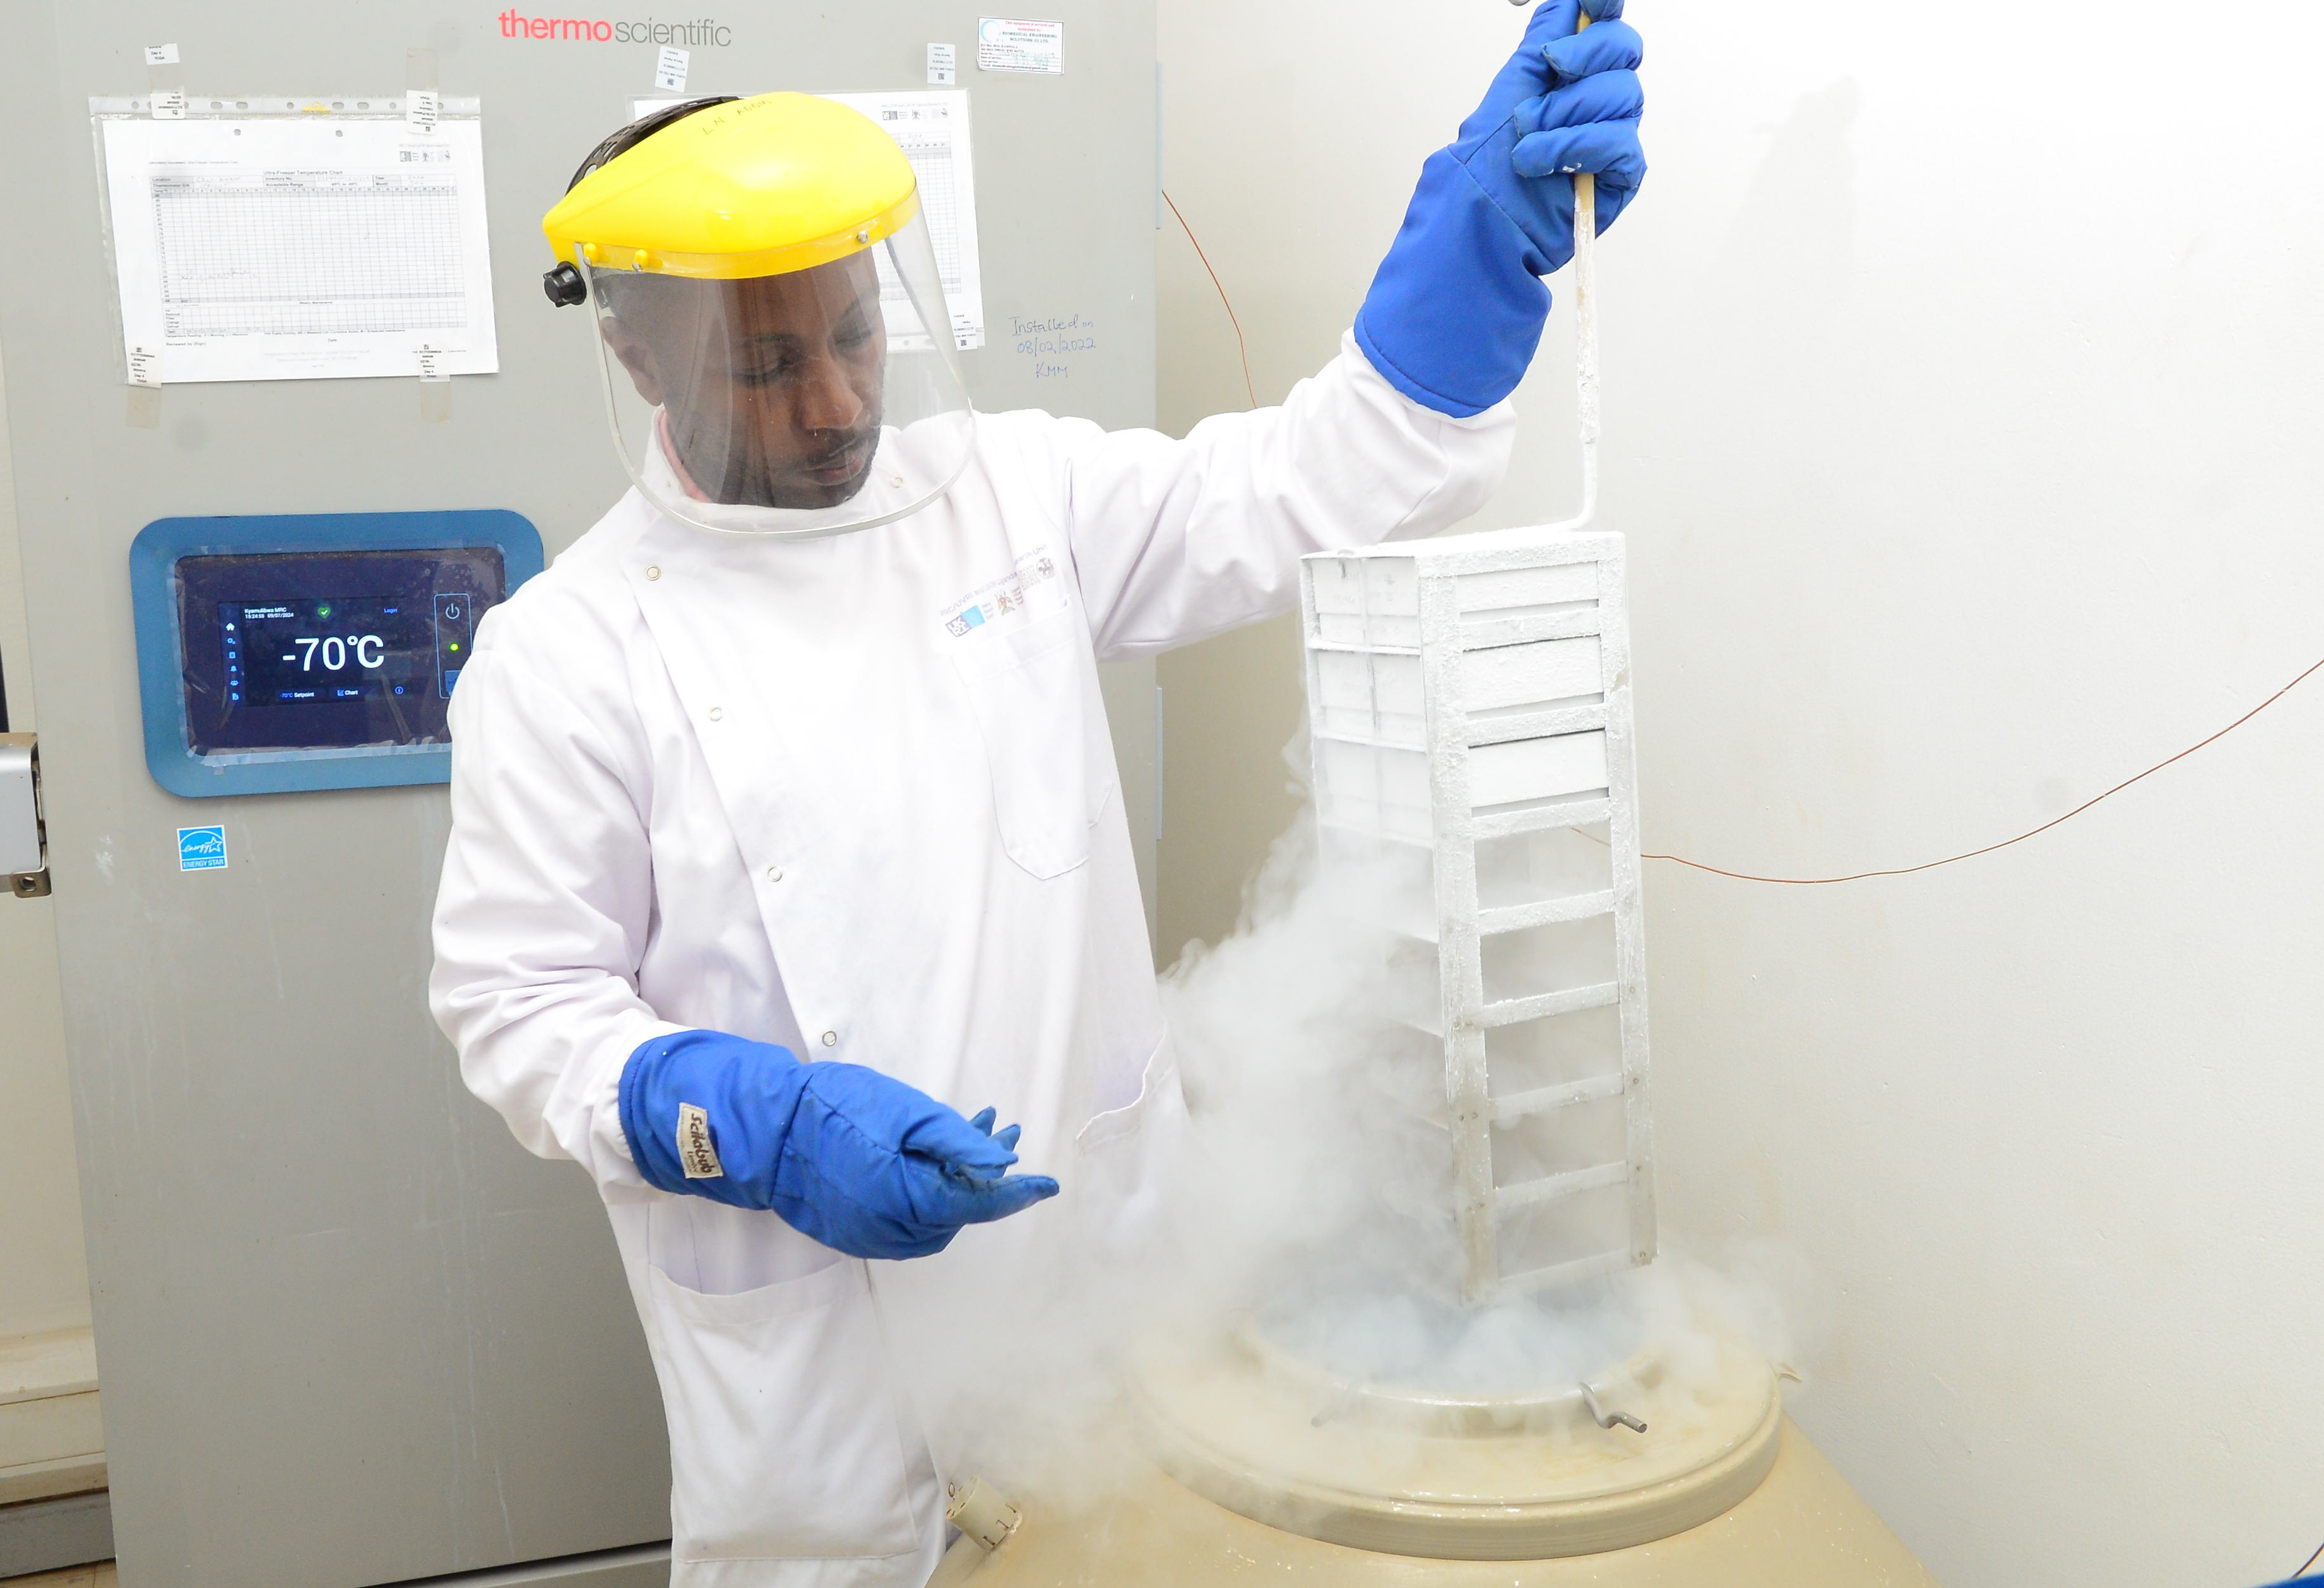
point(1469, 700)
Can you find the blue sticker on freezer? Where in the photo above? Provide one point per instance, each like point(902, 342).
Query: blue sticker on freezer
point(201, 849)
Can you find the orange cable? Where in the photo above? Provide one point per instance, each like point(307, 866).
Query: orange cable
point(1903, 871)
point(1249, 389)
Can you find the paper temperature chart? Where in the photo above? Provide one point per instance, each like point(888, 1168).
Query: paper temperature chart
point(298, 247)
point(932, 127)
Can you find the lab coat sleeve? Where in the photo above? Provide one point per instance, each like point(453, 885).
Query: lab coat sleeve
point(1174, 540)
point(543, 914)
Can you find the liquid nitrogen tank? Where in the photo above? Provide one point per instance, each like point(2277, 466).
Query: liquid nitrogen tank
point(1468, 703)
point(1253, 1480)
point(1468, 707)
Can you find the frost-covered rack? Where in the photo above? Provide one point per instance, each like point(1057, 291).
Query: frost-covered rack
point(1470, 702)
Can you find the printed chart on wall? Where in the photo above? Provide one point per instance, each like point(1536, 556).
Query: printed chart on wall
point(932, 127)
point(298, 247)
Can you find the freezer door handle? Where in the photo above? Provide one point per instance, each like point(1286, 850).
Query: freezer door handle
point(23, 834)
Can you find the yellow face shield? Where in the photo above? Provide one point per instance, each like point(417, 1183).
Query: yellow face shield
point(767, 317)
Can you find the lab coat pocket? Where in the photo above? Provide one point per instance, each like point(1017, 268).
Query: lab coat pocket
point(1125, 1161)
point(787, 1439)
point(1035, 693)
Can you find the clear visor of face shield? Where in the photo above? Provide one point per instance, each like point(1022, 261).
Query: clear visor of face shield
point(808, 403)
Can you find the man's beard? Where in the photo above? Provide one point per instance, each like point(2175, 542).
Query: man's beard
point(749, 479)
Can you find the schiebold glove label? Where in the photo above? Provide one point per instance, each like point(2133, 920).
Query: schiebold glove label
point(695, 1152)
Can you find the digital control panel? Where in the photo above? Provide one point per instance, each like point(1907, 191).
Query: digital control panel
point(340, 648)
point(326, 664)
point(329, 650)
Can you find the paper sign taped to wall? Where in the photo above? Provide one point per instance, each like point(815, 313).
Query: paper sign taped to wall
point(1012, 43)
point(298, 247)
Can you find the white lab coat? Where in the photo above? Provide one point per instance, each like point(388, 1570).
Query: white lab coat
point(788, 790)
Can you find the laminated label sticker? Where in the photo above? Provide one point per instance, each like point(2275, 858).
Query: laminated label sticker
point(695, 1152)
point(1013, 43)
point(669, 69)
point(201, 849)
point(940, 64)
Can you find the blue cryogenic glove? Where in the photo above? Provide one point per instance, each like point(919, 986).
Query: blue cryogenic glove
point(854, 1159)
point(1455, 312)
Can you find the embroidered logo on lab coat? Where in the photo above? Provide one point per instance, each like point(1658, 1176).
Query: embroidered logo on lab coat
point(1014, 591)
point(693, 1148)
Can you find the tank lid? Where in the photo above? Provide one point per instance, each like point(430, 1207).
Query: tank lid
point(1248, 1428)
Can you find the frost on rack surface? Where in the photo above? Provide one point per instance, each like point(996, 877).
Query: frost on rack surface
point(1469, 702)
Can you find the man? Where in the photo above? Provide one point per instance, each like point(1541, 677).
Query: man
point(785, 817)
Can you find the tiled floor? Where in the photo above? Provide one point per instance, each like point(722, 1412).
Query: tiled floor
point(96, 1576)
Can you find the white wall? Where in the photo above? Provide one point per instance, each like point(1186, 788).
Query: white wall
point(1964, 380)
point(43, 1275)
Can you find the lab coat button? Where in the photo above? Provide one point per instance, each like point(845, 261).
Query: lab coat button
point(716, 713)
point(831, 1039)
point(774, 873)
point(653, 573)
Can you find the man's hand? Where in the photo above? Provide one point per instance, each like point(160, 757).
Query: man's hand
point(854, 1159)
point(1455, 312)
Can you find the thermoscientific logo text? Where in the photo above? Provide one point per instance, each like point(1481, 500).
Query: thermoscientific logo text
point(579, 29)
